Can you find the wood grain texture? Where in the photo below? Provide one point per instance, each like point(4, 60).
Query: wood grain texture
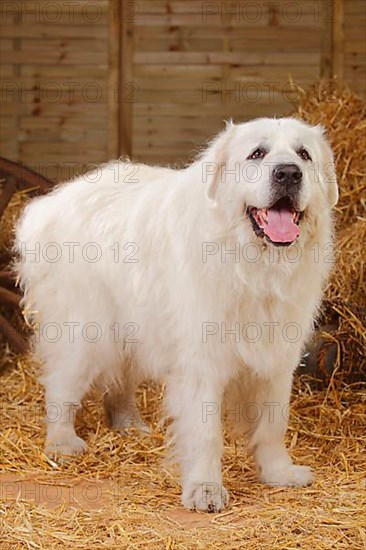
point(153, 79)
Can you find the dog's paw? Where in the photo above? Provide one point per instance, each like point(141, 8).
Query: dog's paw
point(142, 427)
point(123, 425)
point(206, 497)
point(123, 420)
point(291, 476)
point(65, 449)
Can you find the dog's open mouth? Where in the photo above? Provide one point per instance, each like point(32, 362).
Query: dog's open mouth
point(279, 223)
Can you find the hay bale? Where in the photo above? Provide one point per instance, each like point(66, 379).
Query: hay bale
point(346, 300)
point(11, 314)
point(17, 185)
point(11, 215)
point(343, 114)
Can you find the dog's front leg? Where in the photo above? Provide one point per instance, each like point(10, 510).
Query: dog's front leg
point(195, 405)
point(273, 461)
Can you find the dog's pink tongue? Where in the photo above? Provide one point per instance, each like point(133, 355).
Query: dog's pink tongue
point(281, 227)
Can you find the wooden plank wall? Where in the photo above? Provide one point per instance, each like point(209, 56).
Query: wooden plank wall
point(83, 81)
point(196, 63)
point(55, 84)
point(354, 45)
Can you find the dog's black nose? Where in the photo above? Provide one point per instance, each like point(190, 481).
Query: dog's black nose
point(287, 174)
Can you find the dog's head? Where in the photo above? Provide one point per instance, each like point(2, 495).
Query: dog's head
point(271, 174)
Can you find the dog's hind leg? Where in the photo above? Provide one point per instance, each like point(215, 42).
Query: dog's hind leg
point(65, 388)
point(120, 408)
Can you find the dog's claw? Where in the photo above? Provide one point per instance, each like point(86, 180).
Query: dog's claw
point(206, 497)
point(66, 449)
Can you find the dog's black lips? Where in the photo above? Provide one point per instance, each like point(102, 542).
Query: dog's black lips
point(282, 202)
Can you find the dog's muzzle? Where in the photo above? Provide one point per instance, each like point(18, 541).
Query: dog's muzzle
point(286, 182)
point(279, 222)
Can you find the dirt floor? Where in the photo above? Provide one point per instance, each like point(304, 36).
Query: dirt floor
point(122, 494)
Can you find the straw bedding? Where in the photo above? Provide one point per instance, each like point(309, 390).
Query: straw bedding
point(122, 494)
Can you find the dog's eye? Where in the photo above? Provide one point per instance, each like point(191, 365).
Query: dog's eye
point(303, 154)
point(258, 153)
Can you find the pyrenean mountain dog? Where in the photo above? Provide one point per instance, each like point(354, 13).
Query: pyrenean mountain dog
point(207, 278)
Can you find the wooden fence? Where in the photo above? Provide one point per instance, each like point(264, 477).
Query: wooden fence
point(84, 81)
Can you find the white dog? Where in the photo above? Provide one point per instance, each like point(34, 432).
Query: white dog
point(207, 278)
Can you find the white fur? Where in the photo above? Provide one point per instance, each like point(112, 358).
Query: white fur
point(170, 294)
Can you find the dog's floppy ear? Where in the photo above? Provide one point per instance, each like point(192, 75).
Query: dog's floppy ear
point(327, 171)
point(214, 162)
